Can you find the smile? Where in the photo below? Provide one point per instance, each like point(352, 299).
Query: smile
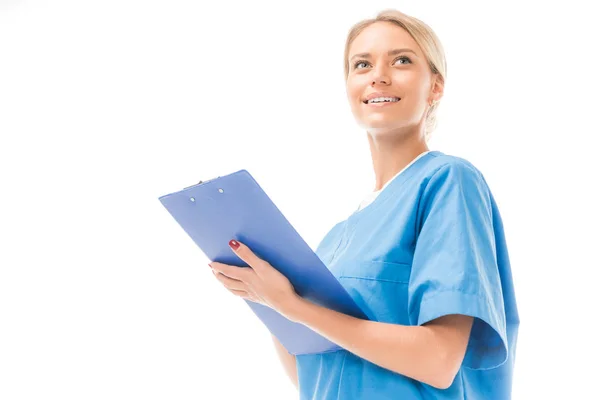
point(382, 100)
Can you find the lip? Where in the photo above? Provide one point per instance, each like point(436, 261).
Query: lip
point(379, 94)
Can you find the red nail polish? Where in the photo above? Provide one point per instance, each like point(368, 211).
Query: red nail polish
point(235, 245)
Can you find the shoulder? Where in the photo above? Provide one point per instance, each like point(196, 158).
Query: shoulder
point(445, 174)
point(452, 166)
point(452, 187)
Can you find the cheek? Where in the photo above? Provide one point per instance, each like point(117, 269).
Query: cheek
point(353, 91)
point(353, 95)
point(413, 85)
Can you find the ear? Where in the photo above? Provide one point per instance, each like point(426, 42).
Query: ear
point(437, 88)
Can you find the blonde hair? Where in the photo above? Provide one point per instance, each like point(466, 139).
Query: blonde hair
point(426, 39)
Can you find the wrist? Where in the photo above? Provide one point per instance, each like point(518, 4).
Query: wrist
point(293, 309)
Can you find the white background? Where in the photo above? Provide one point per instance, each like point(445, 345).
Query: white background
point(107, 105)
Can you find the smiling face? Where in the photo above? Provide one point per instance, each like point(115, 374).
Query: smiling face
point(390, 83)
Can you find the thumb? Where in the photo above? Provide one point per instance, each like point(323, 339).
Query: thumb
point(248, 256)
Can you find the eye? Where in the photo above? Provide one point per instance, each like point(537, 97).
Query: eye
point(356, 64)
point(403, 58)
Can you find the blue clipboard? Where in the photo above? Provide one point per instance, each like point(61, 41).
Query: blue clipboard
point(236, 207)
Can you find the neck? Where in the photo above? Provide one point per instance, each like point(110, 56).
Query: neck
point(391, 152)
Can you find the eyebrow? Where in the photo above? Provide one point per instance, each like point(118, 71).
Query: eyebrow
point(390, 53)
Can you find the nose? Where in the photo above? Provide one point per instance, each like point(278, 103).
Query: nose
point(384, 80)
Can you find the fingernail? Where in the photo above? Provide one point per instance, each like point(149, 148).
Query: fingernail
point(209, 265)
point(235, 245)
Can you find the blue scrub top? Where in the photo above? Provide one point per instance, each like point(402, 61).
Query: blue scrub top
point(431, 244)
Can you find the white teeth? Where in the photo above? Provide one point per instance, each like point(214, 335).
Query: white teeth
point(383, 99)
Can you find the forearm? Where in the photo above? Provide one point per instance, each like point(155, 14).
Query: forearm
point(414, 351)
point(287, 360)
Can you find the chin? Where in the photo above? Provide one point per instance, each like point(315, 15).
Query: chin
point(380, 123)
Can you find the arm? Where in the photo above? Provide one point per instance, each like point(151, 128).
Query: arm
point(431, 353)
point(287, 360)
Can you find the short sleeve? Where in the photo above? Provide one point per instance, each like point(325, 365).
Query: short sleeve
point(455, 268)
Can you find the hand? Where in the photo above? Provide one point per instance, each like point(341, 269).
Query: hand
point(261, 283)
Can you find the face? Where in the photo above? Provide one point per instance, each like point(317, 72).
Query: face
point(389, 84)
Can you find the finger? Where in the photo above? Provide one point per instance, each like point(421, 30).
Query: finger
point(252, 299)
point(244, 252)
point(238, 273)
point(244, 295)
point(239, 293)
point(229, 282)
point(248, 296)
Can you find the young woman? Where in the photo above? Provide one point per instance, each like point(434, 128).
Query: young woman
point(424, 255)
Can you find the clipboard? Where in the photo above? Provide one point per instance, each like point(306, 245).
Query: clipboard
point(234, 206)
